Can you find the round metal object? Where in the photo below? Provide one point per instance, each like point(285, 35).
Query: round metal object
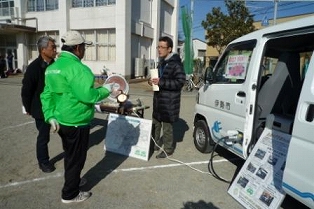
point(120, 85)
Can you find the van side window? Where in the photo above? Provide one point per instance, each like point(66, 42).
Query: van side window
point(233, 66)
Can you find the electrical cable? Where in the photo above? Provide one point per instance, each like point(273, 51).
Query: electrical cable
point(175, 160)
point(210, 163)
point(234, 138)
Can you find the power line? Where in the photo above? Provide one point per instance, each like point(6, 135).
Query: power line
point(262, 10)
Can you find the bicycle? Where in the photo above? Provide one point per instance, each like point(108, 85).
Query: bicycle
point(104, 74)
point(190, 85)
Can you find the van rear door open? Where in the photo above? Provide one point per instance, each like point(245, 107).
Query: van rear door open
point(298, 180)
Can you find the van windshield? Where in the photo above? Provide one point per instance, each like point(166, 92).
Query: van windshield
point(233, 66)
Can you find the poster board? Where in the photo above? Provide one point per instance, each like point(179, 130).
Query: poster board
point(258, 185)
point(237, 65)
point(128, 136)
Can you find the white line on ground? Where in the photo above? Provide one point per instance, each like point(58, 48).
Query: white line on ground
point(19, 125)
point(165, 166)
point(57, 175)
point(30, 181)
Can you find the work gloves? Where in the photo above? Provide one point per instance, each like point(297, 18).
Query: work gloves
point(54, 125)
point(108, 86)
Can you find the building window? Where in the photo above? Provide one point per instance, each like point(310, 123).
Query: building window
point(201, 53)
point(52, 5)
point(40, 5)
point(101, 3)
point(103, 47)
point(88, 3)
point(7, 8)
point(92, 3)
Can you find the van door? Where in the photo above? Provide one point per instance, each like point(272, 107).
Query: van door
point(226, 100)
point(299, 171)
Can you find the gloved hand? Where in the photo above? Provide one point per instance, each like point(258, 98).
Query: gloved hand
point(109, 86)
point(97, 108)
point(54, 125)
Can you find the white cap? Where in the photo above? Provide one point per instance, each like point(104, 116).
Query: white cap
point(72, 38)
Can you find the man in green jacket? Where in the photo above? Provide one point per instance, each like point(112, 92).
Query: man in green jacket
point(68, 104)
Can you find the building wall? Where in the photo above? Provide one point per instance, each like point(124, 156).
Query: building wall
point(138, 24)
point(198, 46)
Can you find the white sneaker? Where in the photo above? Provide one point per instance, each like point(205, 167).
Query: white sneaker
point(82, 196)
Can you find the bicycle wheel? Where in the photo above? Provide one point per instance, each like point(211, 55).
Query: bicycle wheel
point(186, 86)
point(189, 86)
point(200, 84)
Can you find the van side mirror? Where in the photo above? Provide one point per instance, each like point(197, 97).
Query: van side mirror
point(209, 75)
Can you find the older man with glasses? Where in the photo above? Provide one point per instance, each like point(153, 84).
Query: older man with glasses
point(33, 85)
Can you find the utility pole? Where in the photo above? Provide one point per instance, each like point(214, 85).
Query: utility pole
point(192, 15)
point(275, 11)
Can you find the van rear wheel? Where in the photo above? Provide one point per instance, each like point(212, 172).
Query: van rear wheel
point(202, 139)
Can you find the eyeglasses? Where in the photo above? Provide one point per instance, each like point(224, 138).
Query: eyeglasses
point(161, 47)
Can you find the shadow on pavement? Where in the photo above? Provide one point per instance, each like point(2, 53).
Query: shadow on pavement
point(199, 205)
point(57, 157)
point(98, 136)
point(95, 138)
point(179, 129)
point(122, 136)
point(104, 167)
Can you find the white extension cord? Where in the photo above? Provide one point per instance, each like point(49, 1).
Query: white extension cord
point(173, 159)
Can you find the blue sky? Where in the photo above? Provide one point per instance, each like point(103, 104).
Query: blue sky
point(259, 9)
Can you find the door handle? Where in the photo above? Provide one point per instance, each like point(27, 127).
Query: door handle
point(241, 94)
point(310, 113)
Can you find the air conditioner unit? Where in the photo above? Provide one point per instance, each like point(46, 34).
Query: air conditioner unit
point(139, 67)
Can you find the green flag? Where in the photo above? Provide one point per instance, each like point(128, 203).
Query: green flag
point(188, 52)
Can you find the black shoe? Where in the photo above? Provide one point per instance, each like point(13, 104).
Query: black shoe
point(163, 155)
point(47, 167)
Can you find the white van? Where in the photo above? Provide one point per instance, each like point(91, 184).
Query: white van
point(267, 72)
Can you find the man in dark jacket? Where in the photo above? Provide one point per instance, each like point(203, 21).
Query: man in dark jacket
point(33, 85)
point(166, 102)
point(2, 67)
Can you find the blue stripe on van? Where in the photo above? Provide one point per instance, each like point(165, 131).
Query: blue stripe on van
point(301, 194)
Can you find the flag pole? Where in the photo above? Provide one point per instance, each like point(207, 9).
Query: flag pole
point(192, 47)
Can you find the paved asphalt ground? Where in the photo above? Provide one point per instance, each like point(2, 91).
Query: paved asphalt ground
point(116, 181)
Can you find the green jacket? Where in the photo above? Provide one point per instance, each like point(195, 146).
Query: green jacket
point(69, 94)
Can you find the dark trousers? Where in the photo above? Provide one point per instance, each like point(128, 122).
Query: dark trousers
point(75, 145)
point(2, 74)
point(167, 135)
point(43, 139)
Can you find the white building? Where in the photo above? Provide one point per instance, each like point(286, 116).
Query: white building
point(124, 32)
point(199, 49)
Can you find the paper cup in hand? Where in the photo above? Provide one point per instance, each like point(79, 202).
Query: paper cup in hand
point(154, 74)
